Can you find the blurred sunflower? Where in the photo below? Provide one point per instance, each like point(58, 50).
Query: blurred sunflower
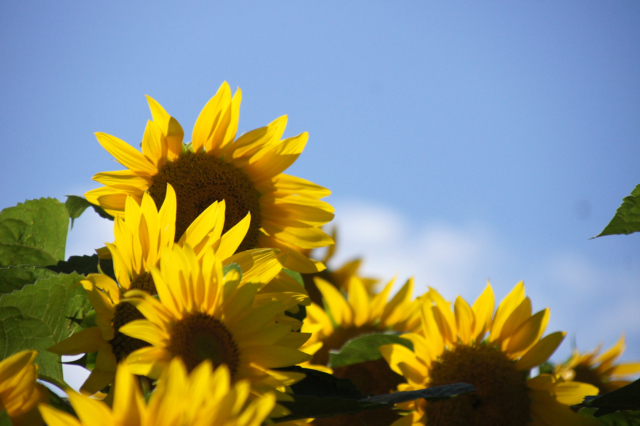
point(286, 211)
point(19, 391)
point(202, 398)
point(358, 314)
point(599, 370)
point(202, 314)
point(451, 348)
point(140, 236)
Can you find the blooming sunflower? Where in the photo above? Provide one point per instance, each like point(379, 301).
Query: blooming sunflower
point(450, 347)
point(19, 391)
point(358, 314)
point(202, 398)
point(599, 370)
point(140, 236)
point(202, 314)
point(286, 211)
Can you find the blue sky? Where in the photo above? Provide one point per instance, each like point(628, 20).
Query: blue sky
point(462, 141)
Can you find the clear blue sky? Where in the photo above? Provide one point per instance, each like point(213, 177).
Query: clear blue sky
point(499, 137)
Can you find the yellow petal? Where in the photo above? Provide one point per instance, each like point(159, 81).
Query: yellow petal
point(170, 128)
point(128, 405)
point(541, 351)
point(211, 117)
point(148, 361)
point(83, 341)
point(359, 301)
point(127, 155)
point(305, 238)
point(126, 180)
point(624, 369)
point(483, 310)
point(507, 306)
point(570, 393)
point(232, 239)
point(54, 417)
point(340, 310)
point(147, 331)
point(295, 260)
point(609, 357)
point(395, 310)
point(528, 334)
point(97, 380)
point(154, 144)
point(277, 159)
point(464, 319)
point(283, 185)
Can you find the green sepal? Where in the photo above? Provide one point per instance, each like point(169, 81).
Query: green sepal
point(231, 267)
point(365, 348)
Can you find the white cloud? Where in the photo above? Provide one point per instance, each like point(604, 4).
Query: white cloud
point(586, 298)
point(89, 232)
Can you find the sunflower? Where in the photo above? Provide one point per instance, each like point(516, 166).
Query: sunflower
point(358, 314)
point(140, 235)
point(19, 391)
point(202, 314)
point(202, 398)
point(286, 211)
point(599, 370)
point(451, 347)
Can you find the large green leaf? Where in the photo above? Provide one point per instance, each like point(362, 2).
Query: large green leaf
point(627, 217)
point(33, 233)
point(322, 395)
point(79, 264)
point(625, 398)
point(41, 315)
point(365, 348)
point(77, 205)
point(13, 278)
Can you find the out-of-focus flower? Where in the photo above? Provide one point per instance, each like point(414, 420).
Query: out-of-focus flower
point(19, 391)
point(202, 398)
point(602, 371)
point(451, 347)
point(286, 211)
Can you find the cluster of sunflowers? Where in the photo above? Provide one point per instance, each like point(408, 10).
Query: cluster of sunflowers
point(209, 308)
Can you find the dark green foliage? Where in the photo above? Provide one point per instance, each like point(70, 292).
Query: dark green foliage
point(625, 398)
point(38, 316)
point(323, 395)
point(77, 205)
point(13, 278)
point(365, 348)
point(33, 233)
point(627, 217)
point(83, 265)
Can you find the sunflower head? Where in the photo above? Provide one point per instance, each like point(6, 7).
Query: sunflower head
point(247, 173)
point(204, 397)
point(492, 351)
point(204, 313)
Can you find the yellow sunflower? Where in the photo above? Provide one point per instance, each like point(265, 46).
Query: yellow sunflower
point(202, 398)
point(140, 236)
point(19, 391)
point(451, 347)
point(202, 315)
point(599, 370)
point(286, 211)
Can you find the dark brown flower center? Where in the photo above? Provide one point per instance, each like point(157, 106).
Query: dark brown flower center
point(500, 399)
point(588, 375)
point(198, 337)
point(200, 180)
point(122, 344)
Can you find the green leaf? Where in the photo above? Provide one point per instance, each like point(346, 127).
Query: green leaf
point(33, 233)
point(365, 348)
point(322, 395)
point(619, 418)
point(295, 275)
point(77, 205)
point(4, 418)
point(627, 217)
point(38, 316)
point(83, 265)
point(13, 278)
point(625, 398)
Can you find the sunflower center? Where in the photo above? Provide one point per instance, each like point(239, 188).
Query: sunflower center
point(200, 180)
point(501, 392)
point(122, 344)
point(337, 339)
point(198, 337)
